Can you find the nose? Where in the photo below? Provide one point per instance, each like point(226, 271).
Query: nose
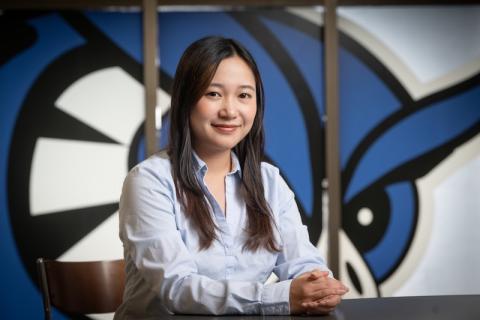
point(228, 109)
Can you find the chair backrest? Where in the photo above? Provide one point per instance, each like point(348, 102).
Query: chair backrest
point(81, 287)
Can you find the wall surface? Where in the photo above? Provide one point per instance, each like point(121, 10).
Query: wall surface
point(72, 118)
point(410, 149)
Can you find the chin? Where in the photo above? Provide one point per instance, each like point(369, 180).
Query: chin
point(226, 145)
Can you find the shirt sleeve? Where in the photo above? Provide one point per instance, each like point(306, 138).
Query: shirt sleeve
point(298, 254)
point(151, 239)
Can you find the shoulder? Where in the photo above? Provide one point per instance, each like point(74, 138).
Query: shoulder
point(269, 171)
point(158, 163)
point(155, 169)
point(273, 182)
point(148, 189)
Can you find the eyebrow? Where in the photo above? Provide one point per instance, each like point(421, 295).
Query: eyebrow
point(245, 86)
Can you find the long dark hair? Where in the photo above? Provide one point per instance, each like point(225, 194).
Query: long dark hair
point(194, 73)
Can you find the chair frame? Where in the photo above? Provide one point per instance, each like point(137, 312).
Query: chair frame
point(81, 287)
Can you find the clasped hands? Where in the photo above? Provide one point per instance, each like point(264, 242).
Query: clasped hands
point(314, 292)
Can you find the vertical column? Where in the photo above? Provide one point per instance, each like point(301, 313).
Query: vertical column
point(150, 74)
point(332, 135)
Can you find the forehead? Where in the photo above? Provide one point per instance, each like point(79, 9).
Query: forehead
point(234, 70)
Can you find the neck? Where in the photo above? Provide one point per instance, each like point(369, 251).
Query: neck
point(217, 163)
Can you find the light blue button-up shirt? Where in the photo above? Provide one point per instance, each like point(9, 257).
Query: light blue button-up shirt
point(168, 273)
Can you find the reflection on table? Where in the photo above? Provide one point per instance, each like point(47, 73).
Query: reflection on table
point(461, 307)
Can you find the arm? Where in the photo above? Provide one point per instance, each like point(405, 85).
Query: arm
point(298, 255)
point(315, 293)
point(313, 289)
point(149, 232)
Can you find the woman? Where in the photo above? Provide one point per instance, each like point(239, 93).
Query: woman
point(206, 223)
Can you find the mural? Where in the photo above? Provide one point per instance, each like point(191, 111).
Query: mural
point(72, 116)
point(410, 124)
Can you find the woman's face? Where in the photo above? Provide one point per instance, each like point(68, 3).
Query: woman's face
point(224, 114)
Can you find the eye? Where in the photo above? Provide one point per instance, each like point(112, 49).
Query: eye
point(245, 95)
point(367, 214)
point(213, 94)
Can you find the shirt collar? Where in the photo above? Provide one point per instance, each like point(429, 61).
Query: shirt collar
point(201, 166)
point(235, 165)
point(198, 163)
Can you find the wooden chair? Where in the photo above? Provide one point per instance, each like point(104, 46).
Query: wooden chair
point(81, 287)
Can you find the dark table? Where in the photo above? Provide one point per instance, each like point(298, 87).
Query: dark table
point(459, 307)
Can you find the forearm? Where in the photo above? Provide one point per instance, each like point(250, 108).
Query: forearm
point(196, 294)
point(171, 273)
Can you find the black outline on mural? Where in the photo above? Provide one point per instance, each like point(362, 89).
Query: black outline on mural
point(311, 116)
point(275, 49)
point(69, 225)
point(422, 164)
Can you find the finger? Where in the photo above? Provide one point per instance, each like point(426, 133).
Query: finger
point(320, 285)
point(314, 290)
point(330, 301)
point(317, 273)
point(323, 304)
point(322, 293)
point(344, 286)
point(337, 283)
point(306, 275)
point(310, 304)
point(332, 283)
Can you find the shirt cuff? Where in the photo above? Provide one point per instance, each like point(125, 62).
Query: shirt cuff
point(276, 298)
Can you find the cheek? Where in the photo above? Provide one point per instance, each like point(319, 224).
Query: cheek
point(251, 115)
point(196, 122)
point(201, 112)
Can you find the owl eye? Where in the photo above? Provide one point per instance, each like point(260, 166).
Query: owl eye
point(365, 217)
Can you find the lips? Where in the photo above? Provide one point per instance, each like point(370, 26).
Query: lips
point(222, 127)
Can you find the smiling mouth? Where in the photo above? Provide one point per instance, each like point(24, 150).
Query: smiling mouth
point(225, 128)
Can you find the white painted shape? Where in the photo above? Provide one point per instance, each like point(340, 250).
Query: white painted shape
point(365, 216)
point(102, 316)
point(109, 100)
point(450, 263)
point(421, 235)
point(69, 174)
point(314, 15)
point(163, 101)
point(431, 41)
point(348, 253)
point(163, 105)
point(102, 243)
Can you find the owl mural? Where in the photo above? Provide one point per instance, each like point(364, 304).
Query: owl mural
point(73, 116)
